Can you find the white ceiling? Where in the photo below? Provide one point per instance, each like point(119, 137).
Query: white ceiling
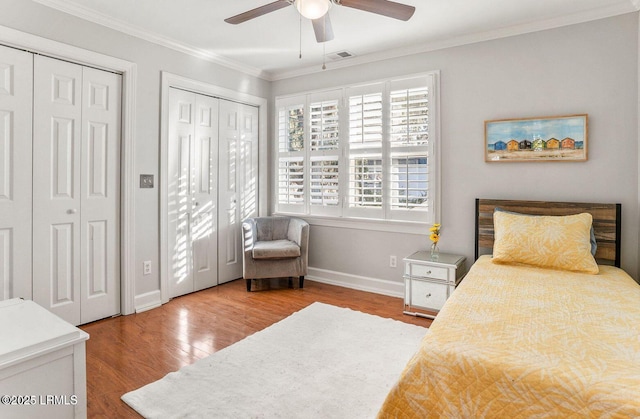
point(269, 46)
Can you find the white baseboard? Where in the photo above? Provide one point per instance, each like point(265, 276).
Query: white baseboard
point(147, 301)
point(152, 299)
point(357, 282)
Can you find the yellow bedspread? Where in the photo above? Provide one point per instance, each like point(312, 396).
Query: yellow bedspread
point(522, 342)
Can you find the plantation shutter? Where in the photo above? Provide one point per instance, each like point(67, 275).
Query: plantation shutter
point(291, 158)
point(360, 152)
point(324, 181)
point(324, 153)
point(411, 149)
point(291, 181)
point(365, 181)
point(409, 182)
point(409, 114)
point(365, 190)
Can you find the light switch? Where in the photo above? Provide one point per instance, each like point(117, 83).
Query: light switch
point(146, 181)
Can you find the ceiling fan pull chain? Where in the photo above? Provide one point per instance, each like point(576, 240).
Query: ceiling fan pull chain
point(324, 55)
point(324, 44)
point(300, 36)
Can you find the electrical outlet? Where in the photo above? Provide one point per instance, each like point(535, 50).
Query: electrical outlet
point(393, 261)
point(146, 267)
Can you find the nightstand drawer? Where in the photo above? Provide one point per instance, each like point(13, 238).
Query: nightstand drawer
point(429, 282)
point(428, 295)
point(423, 271)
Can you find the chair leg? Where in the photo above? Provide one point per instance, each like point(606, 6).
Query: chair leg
point(301, 281)
point(248, 285)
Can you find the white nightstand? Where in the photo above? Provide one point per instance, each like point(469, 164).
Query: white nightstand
point(428, 283)
point(42, 363)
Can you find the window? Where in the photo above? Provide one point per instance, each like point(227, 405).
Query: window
point(291, 158)
point(365, 152)
point(324, 148)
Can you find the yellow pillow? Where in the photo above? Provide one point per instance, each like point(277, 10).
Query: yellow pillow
point(556, 242)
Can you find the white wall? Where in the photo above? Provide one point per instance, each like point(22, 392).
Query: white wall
point(587, 68)
point(151, 59)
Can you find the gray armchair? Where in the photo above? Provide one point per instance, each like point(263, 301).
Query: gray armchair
point(275, 247)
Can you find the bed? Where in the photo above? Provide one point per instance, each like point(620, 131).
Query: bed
point(521, 340)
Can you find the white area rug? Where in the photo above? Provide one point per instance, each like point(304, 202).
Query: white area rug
point(320, 362)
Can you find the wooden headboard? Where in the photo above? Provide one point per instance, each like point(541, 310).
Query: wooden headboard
point(606, 223)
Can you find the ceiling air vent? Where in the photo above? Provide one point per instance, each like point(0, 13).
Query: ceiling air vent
point(335, 56)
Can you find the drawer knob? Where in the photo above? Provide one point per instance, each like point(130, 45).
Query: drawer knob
point(428, 295)
point(428, 272)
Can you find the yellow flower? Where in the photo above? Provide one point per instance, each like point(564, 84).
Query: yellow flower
point(435, 233)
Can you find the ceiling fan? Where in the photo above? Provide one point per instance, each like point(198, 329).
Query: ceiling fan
point(317, 12)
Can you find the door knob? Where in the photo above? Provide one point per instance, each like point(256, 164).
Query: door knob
point(72, 211)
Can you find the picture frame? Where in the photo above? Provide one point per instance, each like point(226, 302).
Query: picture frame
point(550, 138)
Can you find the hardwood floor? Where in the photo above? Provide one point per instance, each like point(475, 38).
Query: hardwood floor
point(127, 352)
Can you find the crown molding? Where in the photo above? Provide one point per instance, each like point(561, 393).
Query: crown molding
point(121, 26)
point(622, 7)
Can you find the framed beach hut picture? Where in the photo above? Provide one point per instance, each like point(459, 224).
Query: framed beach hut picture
point(555, 138)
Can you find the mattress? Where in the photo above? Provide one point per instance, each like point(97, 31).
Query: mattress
point(523, 342)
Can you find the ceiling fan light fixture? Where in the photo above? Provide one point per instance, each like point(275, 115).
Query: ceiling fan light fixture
point(313, 9)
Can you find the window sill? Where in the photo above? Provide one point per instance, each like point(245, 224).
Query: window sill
point(392, 226)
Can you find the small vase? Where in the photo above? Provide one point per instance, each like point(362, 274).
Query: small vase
point(435, 251)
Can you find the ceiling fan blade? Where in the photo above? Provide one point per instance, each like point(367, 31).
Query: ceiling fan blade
point(322, 28)
point(382, 7)
point(258, 11)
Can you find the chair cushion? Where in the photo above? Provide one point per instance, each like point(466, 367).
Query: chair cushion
point(271, 228)
point(275, 249)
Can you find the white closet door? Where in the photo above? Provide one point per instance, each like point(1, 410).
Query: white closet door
point(238, 196)
point(181, 128)
point(56, 186)
point(75, 191)
point(100, 195)
point(204, 217)
point(248, 176)
point(16, 69)
point(193, 159)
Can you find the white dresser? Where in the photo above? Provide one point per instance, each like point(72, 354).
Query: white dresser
point(42, 364)
point(428, 283)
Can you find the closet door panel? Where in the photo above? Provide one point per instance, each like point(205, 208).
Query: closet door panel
point(57, 122)
point(63, 271)
point(238, 198)
point(230, 257)
point(248, 176)
point(181, 132)
point(100, 195)
point(193, 167)
point(16, 76)
point(205, 194)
